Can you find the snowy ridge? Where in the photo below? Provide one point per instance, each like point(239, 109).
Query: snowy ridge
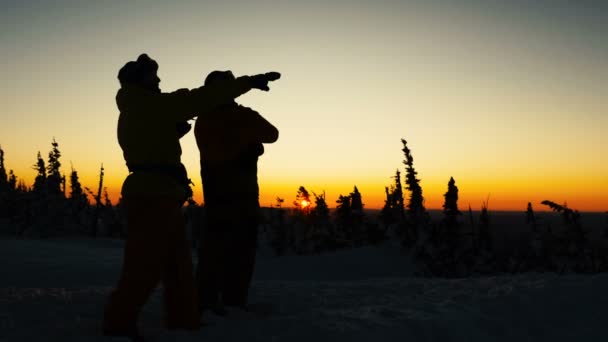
point(353, 306)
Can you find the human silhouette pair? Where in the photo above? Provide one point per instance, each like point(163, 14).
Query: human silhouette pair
point(156, 250)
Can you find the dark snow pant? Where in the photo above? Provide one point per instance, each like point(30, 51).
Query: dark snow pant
point(156, 250)
point(226, 260)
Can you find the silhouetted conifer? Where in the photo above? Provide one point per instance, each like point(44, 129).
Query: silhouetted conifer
point(321, 233)
point(419, 218)
point(344, 216)
point(302, 202)
point(416, 200)
point(39, 186)
point(75, 187)
point(398, 196)
point(569, 215)
point(450, 214)
point(393, 210)
point(356, 202)
point(12, 181)
point(53, 173)
point(98, 204)
point(450, 205)
point(3, 177)
point(530, 217)
point(320, 212)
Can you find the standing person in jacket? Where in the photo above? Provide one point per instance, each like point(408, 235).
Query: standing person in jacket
point(149, 128)
point(230, 142)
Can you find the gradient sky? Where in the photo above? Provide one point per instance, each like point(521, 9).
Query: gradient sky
point(508, 97)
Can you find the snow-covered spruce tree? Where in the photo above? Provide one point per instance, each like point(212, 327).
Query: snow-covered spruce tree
point(300, 231)
point(3, 176)
point(98, 204)
point(569, 215)
point(415, 208)
point(356, 203)
point(279, 234)
point(398, 197)
point(321, 234)
point(78, 201)
point(39, 186)
point(320, 212)
point(344, 220)
point(450, 222)
point(53, 174)
point(576, 240)
point(75, 187)
point(450, 205)
point(302, 202)
point(530, 217)
point(361, 230)
point(385, 213)
point(12, 181)
point(393, 211)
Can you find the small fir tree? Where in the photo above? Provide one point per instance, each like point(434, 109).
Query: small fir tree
point(3, 177)
point(53, 172)
point(450, 205)
point(416, 200)
point(12, 181)
point(40, 180)
point(344, 216)
point(302, 202)
point(320, 212)
point(356, 202)
point(75, 187)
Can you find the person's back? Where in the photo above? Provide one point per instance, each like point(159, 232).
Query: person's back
point(230, 142)
point(229, 157)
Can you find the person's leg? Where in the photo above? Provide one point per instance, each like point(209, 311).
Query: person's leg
point(181, 311)
point(241, 262)
point(144, 255)
point(210, 263)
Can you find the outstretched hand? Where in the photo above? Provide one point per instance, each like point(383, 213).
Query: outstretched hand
point(261, 81)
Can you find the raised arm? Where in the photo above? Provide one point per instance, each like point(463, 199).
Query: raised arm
point(186, 104)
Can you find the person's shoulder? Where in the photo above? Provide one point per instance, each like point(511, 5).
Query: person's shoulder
point(247, 110)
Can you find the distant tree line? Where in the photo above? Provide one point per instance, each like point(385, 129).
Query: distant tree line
point(45, 209)
point(457, 245)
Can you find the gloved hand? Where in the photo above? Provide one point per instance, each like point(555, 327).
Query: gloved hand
point(261, 81)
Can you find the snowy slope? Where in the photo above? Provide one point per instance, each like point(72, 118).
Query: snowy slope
point(55, 290)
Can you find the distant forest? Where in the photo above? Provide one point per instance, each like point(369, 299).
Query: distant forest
point(456, 245)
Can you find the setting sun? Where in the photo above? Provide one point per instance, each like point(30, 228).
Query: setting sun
point(305, 204)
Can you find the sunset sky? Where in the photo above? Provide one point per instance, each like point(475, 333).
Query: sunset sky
point(507, 97)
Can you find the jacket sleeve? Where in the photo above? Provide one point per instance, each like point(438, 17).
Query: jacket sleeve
point(184, 104)
point(256, 128)
point(208, 98)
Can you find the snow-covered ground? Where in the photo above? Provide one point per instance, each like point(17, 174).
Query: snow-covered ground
point(55, 290)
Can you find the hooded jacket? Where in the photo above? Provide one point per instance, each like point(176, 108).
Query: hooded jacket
point(230, 141)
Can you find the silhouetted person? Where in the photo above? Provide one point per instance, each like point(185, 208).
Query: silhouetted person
point(149, 127)
point(230, 142)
